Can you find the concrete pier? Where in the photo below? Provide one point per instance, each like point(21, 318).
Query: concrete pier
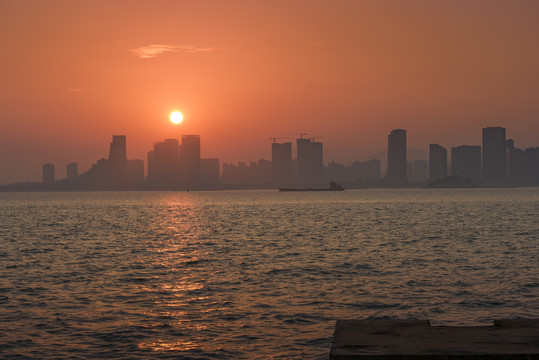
point(416, 339)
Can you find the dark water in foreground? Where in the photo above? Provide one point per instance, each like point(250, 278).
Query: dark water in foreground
point(254, 274)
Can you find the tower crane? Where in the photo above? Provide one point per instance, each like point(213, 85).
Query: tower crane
point(278, 138)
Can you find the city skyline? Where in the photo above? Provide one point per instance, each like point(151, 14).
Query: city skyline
point(349, 71)
point(405, 175)
point(171, 164)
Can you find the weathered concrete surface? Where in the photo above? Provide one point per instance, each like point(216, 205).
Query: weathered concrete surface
point(411, 339)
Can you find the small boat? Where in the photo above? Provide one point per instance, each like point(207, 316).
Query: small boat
point(333, 186)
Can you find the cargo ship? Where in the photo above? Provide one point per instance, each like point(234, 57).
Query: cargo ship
point(333, 186)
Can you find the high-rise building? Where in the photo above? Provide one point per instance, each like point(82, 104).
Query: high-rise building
point(410, 171)
point(209, 171)
point(281, 163)
point(494, 154)
point(532, 160)
point(190, 159)
point(396, 157)
point(309, 161)
point(135, 170)
point(118, 158)
point(118, 150)
point(302, 151)
point(420, 170)
point(437, 162)
point(466, 162)
point(355, 173)
point(72, 170)
point(372, 169)
point(48, 173)
point(164, 164)
point(116, 171)
point(517, 164)
point(256, 173)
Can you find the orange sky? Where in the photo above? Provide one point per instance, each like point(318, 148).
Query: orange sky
point(73, 73)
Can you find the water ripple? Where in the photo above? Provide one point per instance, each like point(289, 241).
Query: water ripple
point(254, 274)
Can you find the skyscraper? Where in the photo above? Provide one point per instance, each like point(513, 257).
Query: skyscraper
point(420, 170)
point(517, 164)
point(209, 171)
point(396, 156)
point(118, 152)
point(281, 163)
point(190, 159)
point(48, 173)
point(532, 159)
point(135, 170)
point(163, 163)
point(118, 158)
point(494, 154)
point(466, 162)
point(72, 170)
point(372, 169)
point(437, 162)
point(309, 161)
point(302, 154)
point(116, 171)
point(410, 171)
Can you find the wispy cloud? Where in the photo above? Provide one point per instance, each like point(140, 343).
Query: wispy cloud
point(154, 50)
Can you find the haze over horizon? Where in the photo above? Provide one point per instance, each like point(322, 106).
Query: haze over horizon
point(76, 73)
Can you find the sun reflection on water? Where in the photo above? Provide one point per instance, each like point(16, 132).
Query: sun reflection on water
point(179, 345)
point(176, 294)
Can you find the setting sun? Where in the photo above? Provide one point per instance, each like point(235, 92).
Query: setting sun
point(176, 117)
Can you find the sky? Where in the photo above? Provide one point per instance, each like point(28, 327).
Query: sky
point(74, 73)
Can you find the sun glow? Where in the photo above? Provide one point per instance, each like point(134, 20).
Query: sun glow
point(176, 117)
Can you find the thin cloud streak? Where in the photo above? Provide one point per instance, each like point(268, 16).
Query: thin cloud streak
point(154, 50)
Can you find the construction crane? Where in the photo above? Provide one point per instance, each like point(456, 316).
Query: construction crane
point(316, 137)
point(301, 135)
point(277, 138)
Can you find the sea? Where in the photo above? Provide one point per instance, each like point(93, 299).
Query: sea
point(254, 274)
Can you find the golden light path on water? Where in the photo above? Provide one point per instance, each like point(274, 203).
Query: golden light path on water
point(178, 220)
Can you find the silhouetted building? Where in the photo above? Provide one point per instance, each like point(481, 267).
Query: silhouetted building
point(281, 162)
point(494, 154)
point(164, 163)
point(370, 169)
point(466, 162)
point(357, 172)
point(409, 171)
point(118, 158)
point(72, 170)
point(532, 159)
point(396, 157)
point(135, 170)
point(420, 170)
point(114, 172)
point(437, 162)
point(258, 173)
point(517, 164)
point(309, 161)
point(209, 171)
point(48, 173)
point(190, 159)
point(366, 170)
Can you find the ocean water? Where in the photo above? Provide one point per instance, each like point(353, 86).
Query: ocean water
point(254, 274)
